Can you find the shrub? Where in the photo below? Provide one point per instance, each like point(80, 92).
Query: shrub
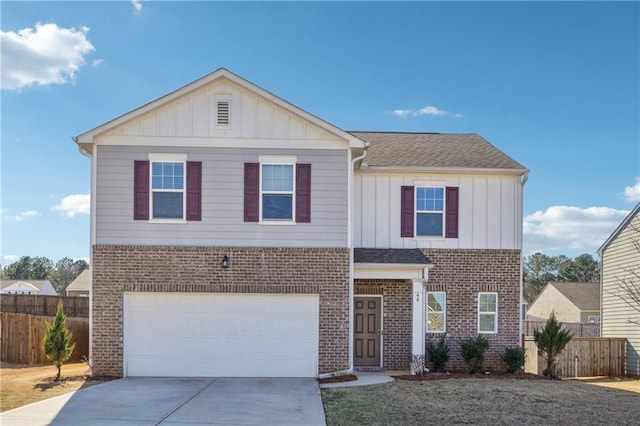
point(55, 343)
point(472, 350)
point(551, 340)
point(513, 358)
point(438, 354)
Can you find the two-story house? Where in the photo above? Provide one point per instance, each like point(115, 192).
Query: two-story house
point(235, 234)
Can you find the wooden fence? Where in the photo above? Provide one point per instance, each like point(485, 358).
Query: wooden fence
point(577, 328)
point(22, 338)
point(74, 306)
point(582, 357)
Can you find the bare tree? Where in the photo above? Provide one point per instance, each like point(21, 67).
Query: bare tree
point(627, 287)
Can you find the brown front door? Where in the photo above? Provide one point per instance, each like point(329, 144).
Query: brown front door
point(366, 336)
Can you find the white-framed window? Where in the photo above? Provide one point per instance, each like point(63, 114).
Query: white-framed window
point(436, 311)
point(168, 182)
point(593, 319)
point(487, 313)
point(429, 211)
point(277, 189)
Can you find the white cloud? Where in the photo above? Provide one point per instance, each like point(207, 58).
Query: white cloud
point(45, 55)
point(97, 62)
point(427, 110)
point(137, 5)
point(75, 204)
point(18, 217)
point(8, 259)
point(632, 193)
point(568, 228)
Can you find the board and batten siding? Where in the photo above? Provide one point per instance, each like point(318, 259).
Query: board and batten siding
point(222, 221)
point(490, 213)
point(618, 259)
point(195, 115)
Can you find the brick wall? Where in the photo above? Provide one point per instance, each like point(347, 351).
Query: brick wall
point(464, 273)
point(396, 320)
point(117, 269)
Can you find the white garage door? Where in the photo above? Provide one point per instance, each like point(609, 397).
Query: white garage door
point(220, 335)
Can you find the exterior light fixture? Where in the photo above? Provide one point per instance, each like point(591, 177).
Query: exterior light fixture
point(225, 261)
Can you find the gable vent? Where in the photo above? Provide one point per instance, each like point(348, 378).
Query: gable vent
point(223, 113)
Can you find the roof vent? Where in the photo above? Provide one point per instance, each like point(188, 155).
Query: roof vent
point(223, 113)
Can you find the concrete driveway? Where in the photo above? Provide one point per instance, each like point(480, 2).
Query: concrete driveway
point(180, 401)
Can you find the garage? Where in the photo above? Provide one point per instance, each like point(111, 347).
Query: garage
point(220, 335)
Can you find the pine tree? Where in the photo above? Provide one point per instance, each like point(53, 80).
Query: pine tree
point(55, 343)
point(551, 341)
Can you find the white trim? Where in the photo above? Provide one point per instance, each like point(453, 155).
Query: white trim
point(266, 160)
point(452, 170)
point(443, 212)
point(388, 271)
point(381, 327)
point(418, 318)
point(426, 315)
point(168, 158)
point(278, 159)
point(495, 320)
point(196, 142)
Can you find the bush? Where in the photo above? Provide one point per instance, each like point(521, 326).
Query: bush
point(438, 354)
point(514, 359)
point(551, 341)
point(472, 350)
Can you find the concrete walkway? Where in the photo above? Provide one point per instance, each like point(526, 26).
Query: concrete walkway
point(366, 379)
point(180, 401)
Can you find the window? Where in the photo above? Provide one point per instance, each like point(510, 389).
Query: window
point(593, 319)
point(167, 190)
point(436, 311)
point(277, 191)
point(429, 211)
point(487, 312)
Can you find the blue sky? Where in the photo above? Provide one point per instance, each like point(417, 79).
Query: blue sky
point(554, 85)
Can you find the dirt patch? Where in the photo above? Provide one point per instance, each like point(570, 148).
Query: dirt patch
point(23, 385)
point(480, 401)
point(339, 379)
point(445, 376)
point(629, 384)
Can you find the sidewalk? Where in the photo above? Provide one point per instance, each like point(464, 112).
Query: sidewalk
point(366, 378)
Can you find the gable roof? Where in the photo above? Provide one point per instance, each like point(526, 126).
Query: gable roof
point(36, 283)
point(85, 140)
point(390, 256)
point(434, 151)
point(81, 283)
point(619, 229)
point(586, 296)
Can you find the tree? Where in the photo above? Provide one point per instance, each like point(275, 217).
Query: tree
point(627, 286)
point(65, 271)
point(582, 269)
point(55, 343)
point(29, 268)
point(551, 341)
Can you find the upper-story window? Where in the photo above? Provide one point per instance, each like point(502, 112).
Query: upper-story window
point(167, 189)
point(429, 211)
point(277, 189)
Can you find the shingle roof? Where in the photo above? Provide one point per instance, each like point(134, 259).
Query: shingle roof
point(434, 150)
point(395, 256)
point(36, 283)
point(81, 283)
point(586, 296)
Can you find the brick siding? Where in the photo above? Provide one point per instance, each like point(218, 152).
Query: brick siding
point(117, 269)
point(465, 273)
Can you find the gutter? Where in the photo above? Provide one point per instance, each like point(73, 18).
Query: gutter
point(524, 177)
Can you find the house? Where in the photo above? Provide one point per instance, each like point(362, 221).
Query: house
point(235, 234)
point(620, 276)
point(80, 286)
point(40, 287)
point(571, 302)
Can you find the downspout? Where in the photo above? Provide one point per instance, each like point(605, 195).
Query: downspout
point(351, 268)
point(523, 180)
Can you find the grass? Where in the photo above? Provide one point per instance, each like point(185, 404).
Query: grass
point(480, 401)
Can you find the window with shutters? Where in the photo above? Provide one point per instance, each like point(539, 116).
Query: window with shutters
point(277, 192)
point(429, 211)
point(167, 189)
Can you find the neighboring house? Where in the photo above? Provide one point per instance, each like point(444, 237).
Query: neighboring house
point(571, 302)
point(40, 287)
point(81, 285)
point(620, 256)
point(234, 234)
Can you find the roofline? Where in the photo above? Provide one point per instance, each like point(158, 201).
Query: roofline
point(467, 170)
point(619, 229)
point(419, 266)
point(88, 137)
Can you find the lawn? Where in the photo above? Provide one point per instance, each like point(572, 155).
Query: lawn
point(21, 385)
point(480, 401)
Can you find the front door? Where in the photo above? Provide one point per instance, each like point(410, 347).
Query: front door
point(366, 336)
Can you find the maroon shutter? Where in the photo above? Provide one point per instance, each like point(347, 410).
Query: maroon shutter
point(251, 191)
point(141, 190)
point(406, 213)
point(451, 213)
point(194, 190)
point(303, 193)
